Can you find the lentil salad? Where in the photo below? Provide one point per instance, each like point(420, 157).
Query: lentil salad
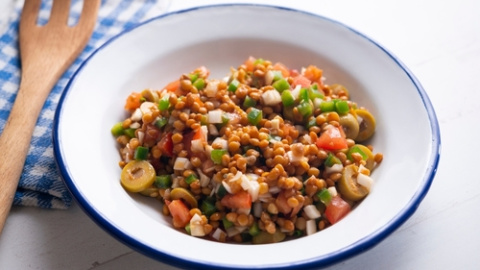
point(267, 153)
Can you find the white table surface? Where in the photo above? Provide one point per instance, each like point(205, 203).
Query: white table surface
point(440, 42)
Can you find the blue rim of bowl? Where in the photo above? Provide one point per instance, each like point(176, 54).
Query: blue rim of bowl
point(322, 261)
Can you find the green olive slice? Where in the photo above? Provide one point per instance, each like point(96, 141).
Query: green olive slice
point(137, 175)
point(185, 195)
point(350, 125)
point(348, 186)
point(367, 124)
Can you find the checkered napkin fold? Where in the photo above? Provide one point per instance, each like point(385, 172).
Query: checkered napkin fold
point(40, 184)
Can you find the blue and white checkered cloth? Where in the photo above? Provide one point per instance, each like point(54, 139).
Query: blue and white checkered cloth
point(40, 184)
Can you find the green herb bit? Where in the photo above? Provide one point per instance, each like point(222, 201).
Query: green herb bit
point(233, 86)
point(249, 102)
point(164, 103)
point(254, 116)
point(199, 83)
point(190, 179)
point(187, 228)
point(193, 77)
point(303, 94)
point(254, 229)
point(222, 191)
point(226, 223)
point(314, 93)
point(130, 132)
point(281, 85)
point(161, 122)
point(225, 119)
point(208, 207)
point(356, 149)
point(305, 108)
point(327, 106)
point(331, 160)
point(298, 233)
point(141, 153)
point(118, 129)
point(287, 98)
point(217, 154)
point(341, 106)
point(163, 181)
point(277, 75)
point(324, 196)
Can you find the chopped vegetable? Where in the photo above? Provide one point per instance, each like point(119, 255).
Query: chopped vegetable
point(240, 200)
point(217, 154)
point(341, 106)
point(133, 101)
point(332, 139)
point(164, 103)
point(199, 84)
point(287, 98)
point(118, 129)
point(180, 213)
point(163, 181)
point(141, 153)
point(208, 207)
point(327, 106)
point(324, 196)
point(161, 122)
point(281, 85)
point(249, 102)
point(255, 116)
point(305, 108)
point(232, 87)
point(336, 210)
point(191, 178)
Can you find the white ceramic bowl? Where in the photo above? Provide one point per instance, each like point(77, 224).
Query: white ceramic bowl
point(158, 51)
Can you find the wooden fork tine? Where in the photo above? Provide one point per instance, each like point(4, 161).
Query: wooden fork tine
point(30, 13)
point(60, 12)
point(89, 14)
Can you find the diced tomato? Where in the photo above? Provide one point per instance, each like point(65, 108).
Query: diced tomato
point(282, 68)
point(301, 80)
point(173, 86)
point(179, 212)
point(336, 209)
point(189, 137)
point(313, 73)
point(133, 101)
point(241, 199)
point(294, 72)
point(332, 139)
point(198, 134)
point(166, 144)
point(250, 63)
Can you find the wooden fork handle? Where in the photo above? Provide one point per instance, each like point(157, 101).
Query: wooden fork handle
point(16, 136)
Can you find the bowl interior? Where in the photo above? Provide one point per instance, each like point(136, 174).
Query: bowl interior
point(219, 37)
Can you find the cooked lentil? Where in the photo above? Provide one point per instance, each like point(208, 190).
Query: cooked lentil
point(247, 174)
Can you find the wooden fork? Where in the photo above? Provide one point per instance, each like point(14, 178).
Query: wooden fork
point(45, 52)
